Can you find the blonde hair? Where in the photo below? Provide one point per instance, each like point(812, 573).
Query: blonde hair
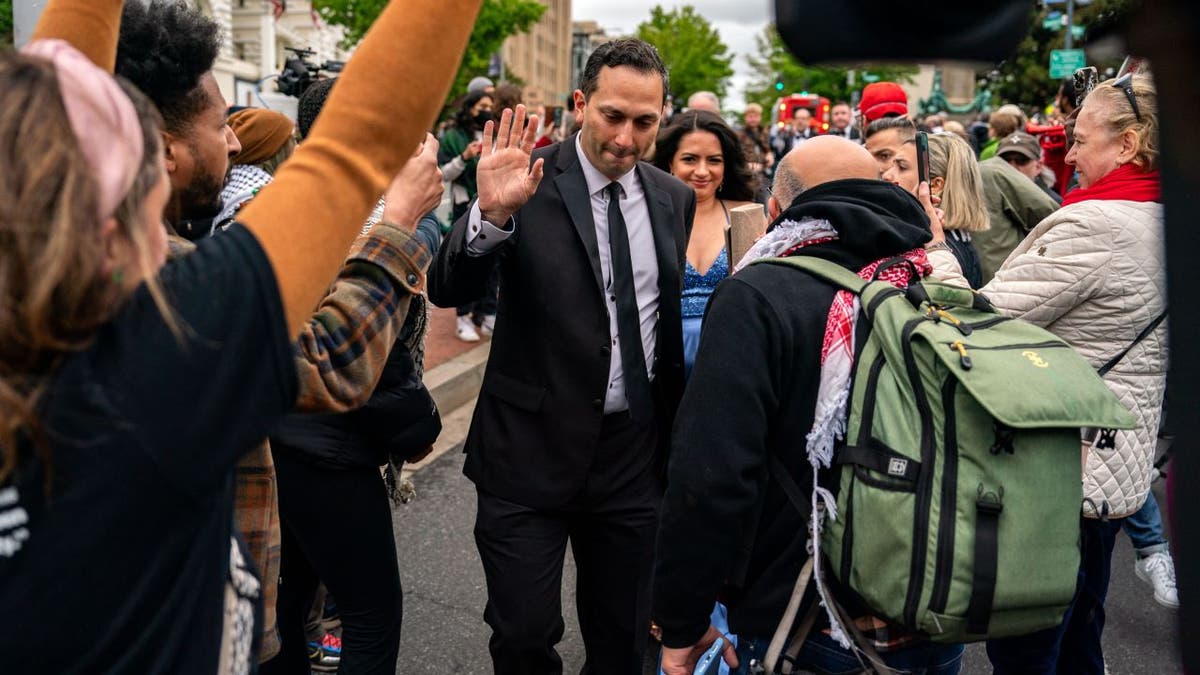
point(1119, 116)
point(54, 291)
point(271, 164)
point(952, 159)
point(1007, 119)
point(956, 128)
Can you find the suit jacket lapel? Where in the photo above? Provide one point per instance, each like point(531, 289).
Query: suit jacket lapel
point(572, 187)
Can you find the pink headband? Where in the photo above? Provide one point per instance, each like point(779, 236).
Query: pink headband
point(102, 118)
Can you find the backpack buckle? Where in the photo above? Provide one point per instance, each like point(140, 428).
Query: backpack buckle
point(1004, 439)
point(991, 503)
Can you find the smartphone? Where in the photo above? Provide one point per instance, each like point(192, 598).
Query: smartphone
point(1085, 80)
point(922, 157)
point(710, 663)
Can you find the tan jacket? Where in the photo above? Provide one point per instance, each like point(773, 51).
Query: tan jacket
point(1093, 273)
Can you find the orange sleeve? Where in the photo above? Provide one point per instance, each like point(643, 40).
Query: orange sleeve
point(91, 26)
point(385, 100)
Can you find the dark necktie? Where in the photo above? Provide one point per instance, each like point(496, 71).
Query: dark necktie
point(629, 325)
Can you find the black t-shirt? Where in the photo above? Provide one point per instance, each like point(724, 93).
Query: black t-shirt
point(130, 564)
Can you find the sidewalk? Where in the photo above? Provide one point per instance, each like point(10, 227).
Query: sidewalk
point(441, 344)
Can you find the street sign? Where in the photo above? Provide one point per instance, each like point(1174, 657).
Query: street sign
point(1064, 62)
point(870, 77)
point(1052, 21)
point(1077, 32)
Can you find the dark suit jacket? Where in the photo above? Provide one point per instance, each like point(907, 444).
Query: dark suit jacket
point(537, 420)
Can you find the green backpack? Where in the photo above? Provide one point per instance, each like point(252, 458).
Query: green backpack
point(959, 481)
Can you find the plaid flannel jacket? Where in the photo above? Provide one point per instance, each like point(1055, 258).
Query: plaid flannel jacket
point(339, 358)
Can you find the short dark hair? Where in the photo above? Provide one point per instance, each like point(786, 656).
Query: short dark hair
point(739, 184)
point(310, 104)
point(908, 130)
point(164, 49)
point(632, 52)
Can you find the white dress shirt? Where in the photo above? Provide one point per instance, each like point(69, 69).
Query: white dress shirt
point(482, 237)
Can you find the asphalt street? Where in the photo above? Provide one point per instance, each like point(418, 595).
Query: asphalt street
point(444, 593)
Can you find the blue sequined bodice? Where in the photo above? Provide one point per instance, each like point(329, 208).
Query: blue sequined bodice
point(698, 287)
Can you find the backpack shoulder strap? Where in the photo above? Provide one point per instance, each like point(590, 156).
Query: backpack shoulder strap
point(1112, 363)
point(829, 271)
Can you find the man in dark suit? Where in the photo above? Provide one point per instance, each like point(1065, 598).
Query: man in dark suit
point(841, 119)
point(571, 429)
point(800, 130)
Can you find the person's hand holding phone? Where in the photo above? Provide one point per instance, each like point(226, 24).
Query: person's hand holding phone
point(937, 217)
point(472, 150)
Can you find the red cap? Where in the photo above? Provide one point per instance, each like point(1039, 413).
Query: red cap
point(882, 98)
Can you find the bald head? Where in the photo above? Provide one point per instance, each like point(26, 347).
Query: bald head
point(825, 158)
point(816, 161)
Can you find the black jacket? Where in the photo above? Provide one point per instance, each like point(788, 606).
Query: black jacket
point(400, 420)
point(751, 394)
point(537, 420)
point(968, 257)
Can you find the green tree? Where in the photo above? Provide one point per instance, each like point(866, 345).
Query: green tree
point(497, 20)
point(773, 63)
point(1025, 79)
point(692, 50)
point(6, 23)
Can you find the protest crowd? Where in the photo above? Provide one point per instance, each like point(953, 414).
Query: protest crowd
point(916, 410)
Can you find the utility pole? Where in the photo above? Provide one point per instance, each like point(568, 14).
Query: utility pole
point(1070, 20)
point(25, 17)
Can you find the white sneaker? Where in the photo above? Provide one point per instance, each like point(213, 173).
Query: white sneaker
point(1158, 570)
point(466, 330)
point(488, 326)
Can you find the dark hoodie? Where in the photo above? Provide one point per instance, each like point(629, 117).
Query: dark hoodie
point(751, 395)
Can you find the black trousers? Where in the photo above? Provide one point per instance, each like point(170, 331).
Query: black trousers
point(611, 527)
point(337, 529)
point(1073, 648)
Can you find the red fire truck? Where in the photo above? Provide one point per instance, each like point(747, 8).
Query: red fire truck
point(785, 109)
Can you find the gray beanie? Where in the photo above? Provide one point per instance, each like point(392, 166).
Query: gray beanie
point(479, 84)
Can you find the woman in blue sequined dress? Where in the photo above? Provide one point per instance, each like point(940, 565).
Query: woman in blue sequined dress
point(702, 150)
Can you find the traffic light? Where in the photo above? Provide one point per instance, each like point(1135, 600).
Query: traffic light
point(779, 85)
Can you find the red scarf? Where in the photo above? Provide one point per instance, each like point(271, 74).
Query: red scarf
point(839, 326)
point(1127, 182)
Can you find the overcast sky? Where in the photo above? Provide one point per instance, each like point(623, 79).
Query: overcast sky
point(738, 21)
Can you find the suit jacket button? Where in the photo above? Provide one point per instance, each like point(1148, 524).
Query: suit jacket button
point(598, 403)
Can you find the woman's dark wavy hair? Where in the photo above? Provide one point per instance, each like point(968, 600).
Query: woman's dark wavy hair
point(739, 184)
point(462, 117)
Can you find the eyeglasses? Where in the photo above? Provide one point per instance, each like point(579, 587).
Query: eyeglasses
point(1125, 84)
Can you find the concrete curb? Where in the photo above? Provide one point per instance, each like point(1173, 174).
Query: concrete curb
point(457, 381)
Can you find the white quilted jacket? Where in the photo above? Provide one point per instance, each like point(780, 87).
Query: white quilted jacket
point(1093, 274)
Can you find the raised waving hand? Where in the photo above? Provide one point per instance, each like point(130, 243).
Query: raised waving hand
point(504, 178)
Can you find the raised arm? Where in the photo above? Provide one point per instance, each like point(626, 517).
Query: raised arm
point(91, 26)
point(388, 97)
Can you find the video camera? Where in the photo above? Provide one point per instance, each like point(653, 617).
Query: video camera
point(299, 73)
